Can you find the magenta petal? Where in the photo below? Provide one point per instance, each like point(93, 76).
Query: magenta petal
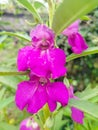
point(52, 104)
point(25, 91)
point(48, 62)
point(29, 124)
point(73, 28)
point(57, 60)
point(23, 58)
point(58, 93)
point(38, 100)
point(23, 125)
point(42, 35)
point(77, 43)
point(77, 115)
point(39, 64)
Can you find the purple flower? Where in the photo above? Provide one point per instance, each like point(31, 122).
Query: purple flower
point(42, 37)
point(77, 115)
point(75, 39)
point(38, 91)
point(42, 58)
point(29, 124)
point(47, 63)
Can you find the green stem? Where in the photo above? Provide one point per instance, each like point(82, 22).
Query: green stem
point(51, 11)
point(89, 51)
point(13, 73)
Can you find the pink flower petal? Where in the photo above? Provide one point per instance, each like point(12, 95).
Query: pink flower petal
point(48, 63)
point(57, 60)
point(24, 93)
point(52, 104)
point(38, 100)
point(23, 125)
point(77, 115)
point(77, 43)
point(58, 92)
point(29, 124)
point(73, 28)
point(23, 58)
point(41, 35)
point(39, 64)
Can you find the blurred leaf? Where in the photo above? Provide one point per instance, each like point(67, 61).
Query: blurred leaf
point(85, 106)
point(89, 51)
point(30, 8)
point(94, 99)
point(66, 82)
point(10, 81)
point(5, 126)
point(4, 23)
point(49, 122)
point(2, 91)
point(58, 121)
point(86, 18)
point(69, 11)
point(23, 37)
point(88, 93)
point(2, 38)
point(31, 24)
point(38, 4)
point(5, 102)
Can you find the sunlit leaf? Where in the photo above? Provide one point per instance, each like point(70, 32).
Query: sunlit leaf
point(30, 8)
point(2, 38)
point(38, 4)
point(5, 102)
point(88, 93)
point(69, 11)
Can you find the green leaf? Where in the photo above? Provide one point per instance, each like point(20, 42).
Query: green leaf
point(88, 93)
point(23, 37)
point(86, 18)
point(31, 9)
point(13, 79)
point(2, 38)
point(6, 102)
point(89, 51)
point(38, 4)
point(69, 11)
point(10, 81)
point(2, 91)
point(6, 126)
point(58, 120)
point(85, 106)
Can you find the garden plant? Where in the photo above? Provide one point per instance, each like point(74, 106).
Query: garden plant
point(40, 90)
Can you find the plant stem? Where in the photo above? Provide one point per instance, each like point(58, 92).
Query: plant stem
point(13, 73)
point(51, 11)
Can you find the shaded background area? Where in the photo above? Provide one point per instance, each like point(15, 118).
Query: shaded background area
point(82, 72)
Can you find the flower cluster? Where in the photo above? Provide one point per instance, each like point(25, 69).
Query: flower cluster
point(46, 63)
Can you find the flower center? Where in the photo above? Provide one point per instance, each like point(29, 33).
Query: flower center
point(43, 81)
